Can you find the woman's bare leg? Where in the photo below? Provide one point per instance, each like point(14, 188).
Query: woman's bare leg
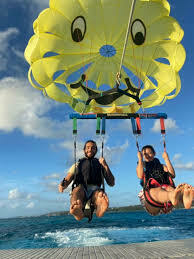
point(101, 202)
point(77, 202)
point(164, 195)
point(188, 196)
point(151, 209)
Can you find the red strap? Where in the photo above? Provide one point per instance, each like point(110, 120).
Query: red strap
point(138, 125)
point(163, 131)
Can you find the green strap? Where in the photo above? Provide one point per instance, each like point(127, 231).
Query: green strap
point(74, 126)
point(98, 120)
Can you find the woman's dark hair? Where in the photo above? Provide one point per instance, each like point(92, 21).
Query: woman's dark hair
point(150, 147)
point(91, 141)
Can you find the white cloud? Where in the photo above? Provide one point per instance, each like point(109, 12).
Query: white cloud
point(5, 37)
point(52, 176)
point(111, 154)
point(14, 205)
point(18, 53)
point(188, 166)
point(3, 204)
point(177, 157)
point(15, 194)
point(41, 4)
point(170, 125)
point(32, 196)
point(52, 186)
point(30, 205)
point(178, 164)
point(24, 108)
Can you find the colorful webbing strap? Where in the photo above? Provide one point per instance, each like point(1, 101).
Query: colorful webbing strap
point(136, 127)
point(163, 132)
point(103, 129)
point(74, 126)
point(138, 124)
point(98, 122)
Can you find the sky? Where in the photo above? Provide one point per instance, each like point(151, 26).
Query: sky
point(36, 142)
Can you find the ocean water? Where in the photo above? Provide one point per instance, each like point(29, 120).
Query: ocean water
point(113, 228)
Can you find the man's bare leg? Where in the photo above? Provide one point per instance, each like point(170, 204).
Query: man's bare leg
point(77, 202)
point(101, 202)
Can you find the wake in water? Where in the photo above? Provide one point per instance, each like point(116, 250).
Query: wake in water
point(103, 236)
point(114, 228)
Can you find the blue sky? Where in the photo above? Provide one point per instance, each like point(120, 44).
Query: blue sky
point(36, 144)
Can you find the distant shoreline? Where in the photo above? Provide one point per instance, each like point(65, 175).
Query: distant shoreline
point(132, 208)
point(110, 210)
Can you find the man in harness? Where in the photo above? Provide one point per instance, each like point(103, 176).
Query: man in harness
point(159, 194)
point(87, 176)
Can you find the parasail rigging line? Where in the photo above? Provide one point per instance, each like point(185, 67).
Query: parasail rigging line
point(127, 35)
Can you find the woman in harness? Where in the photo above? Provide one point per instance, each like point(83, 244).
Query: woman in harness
point(159, 194)
point(86, 176)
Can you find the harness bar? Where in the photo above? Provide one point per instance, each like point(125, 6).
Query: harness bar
point(119, 116)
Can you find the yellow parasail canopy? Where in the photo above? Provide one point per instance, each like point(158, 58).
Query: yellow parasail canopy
point(76, 50)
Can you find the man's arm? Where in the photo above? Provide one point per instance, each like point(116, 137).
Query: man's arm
point(107, 172)
point(67, 180)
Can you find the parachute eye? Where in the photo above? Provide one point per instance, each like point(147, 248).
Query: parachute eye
point(138, 32)
point(78, 28)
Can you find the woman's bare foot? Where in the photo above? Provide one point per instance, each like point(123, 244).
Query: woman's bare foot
point(101, 204)
point(76, 210)
point(187, 196)
point(177, 194)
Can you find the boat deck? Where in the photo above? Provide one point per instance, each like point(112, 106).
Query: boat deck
point(160, 249)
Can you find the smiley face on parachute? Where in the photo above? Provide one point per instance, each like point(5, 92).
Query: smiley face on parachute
point(75, 54)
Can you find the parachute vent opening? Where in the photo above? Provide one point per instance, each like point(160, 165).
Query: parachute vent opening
point(104, 87)
point(90, 84)
point(50, 54)
point(63, 88)
point(172, 93)
point(153, 80)
point(122, 86)
point(135, 80)
point(34, 81)
point(76, 75)
point(147, 93)
point(57, 74)
point(163, 60)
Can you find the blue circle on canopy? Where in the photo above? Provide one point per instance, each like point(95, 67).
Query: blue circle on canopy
point(107, 51)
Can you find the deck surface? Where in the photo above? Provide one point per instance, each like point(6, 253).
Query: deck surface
point(160, 249)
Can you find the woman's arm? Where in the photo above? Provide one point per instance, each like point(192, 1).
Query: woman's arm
point(168, 167)
point(139, 169)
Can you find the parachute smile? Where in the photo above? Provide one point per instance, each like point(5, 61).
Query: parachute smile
point(107, 51)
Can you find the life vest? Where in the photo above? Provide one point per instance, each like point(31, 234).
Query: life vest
point(155, 176)
point(89, 172)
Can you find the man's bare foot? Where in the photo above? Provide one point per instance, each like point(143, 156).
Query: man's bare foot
point(177, 194)
point(76, 210)
point(187, 196)
point(101, 204)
